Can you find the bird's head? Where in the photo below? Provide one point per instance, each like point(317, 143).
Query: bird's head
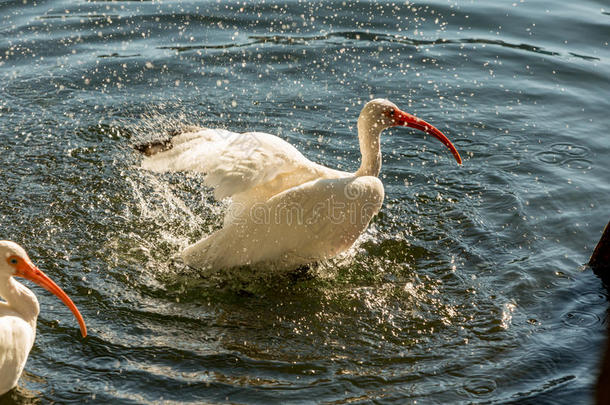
point(14, 262)
point(13, 257)
point(384, 114)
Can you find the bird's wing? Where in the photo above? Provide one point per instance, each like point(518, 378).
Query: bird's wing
point(234, 164)
point(16, 339)
point(306, 223)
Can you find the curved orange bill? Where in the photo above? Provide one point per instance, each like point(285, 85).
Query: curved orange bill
point(411, 121)
point(27, 270)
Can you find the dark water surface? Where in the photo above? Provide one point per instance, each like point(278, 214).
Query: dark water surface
point(469, 285)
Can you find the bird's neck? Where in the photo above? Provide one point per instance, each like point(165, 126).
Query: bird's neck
point(20, 299)
point(368, 136)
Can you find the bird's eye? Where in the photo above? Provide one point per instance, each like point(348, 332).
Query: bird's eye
point(13, 261)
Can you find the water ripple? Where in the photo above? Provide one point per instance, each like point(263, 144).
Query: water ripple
point(370, 37)
point(580, 319)
point(466, 287)
point(566, 155)
point(478, 387)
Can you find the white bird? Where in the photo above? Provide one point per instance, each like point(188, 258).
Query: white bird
point(285, 210)
point(19, 311)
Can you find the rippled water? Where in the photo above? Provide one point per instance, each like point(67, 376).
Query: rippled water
point(468, 286)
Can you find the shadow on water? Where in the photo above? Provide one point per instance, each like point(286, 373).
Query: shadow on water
point(22, 396)
point(600, 264)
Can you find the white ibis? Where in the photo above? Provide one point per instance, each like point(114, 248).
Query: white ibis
point(285, 210)
point(19, 311)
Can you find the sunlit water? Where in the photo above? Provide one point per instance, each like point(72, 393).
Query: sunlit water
point(468, 286)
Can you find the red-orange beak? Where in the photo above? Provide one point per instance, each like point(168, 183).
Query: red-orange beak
point(411, 121)
point(27, 270)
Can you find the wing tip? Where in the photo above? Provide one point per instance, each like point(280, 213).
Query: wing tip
point(154, 147)
point(161, 145)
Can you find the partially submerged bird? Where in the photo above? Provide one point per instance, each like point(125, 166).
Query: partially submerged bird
point(285, 211)
point(19, 311)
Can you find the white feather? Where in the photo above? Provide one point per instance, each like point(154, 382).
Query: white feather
point(237, 163)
